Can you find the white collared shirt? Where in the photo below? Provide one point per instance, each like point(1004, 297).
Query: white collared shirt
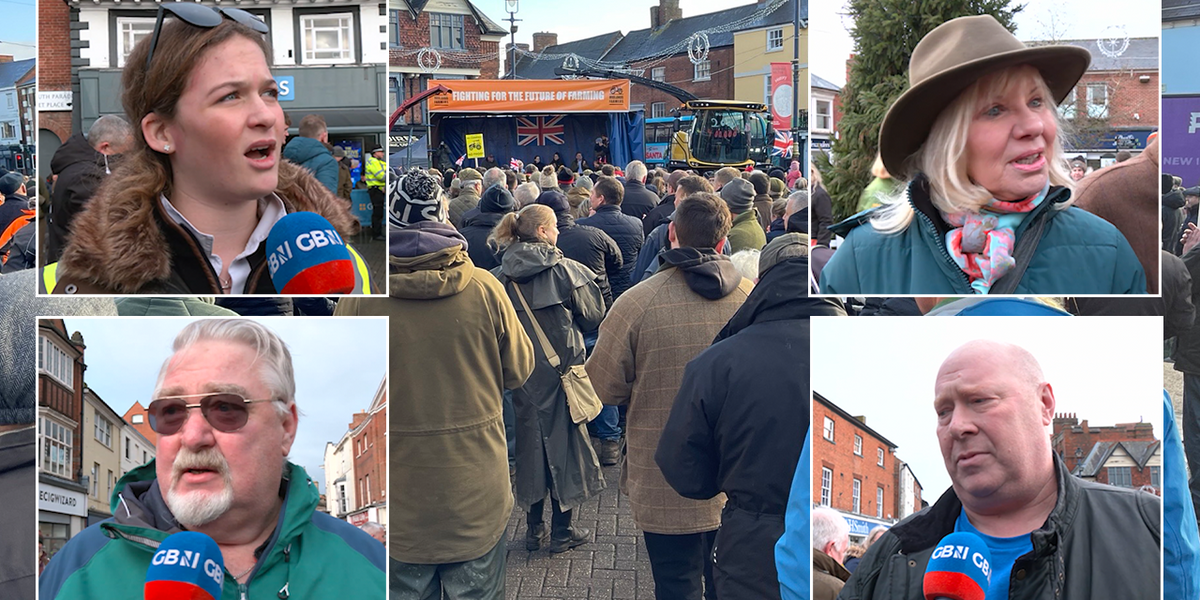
point(271, 210)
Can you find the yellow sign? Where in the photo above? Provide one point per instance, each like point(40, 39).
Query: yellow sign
point(475, 145)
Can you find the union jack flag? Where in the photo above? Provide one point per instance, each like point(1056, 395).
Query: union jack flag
point(540, 131)
point(783, 144)
point(460, 160)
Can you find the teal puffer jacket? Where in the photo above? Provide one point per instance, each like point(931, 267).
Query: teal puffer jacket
point(1079, 253)
point(309, 555)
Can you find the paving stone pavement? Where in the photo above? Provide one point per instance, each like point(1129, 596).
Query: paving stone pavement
point(614, 566)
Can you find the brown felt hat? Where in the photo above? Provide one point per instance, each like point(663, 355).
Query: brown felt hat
point(948, 60)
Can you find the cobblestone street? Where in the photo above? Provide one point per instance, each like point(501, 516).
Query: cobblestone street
point(613, 566)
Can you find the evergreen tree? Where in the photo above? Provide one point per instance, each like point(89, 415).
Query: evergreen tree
point(885, 33)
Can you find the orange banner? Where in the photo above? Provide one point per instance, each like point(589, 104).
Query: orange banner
point(531, 95)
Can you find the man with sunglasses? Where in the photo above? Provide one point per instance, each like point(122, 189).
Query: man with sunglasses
point(225, 414)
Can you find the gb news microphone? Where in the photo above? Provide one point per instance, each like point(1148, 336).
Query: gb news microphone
point(187, 566)
point(959, 569)
point(305, 255)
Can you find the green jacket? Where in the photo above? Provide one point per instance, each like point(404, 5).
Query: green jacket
point(310, 554)
point(1079, 253)
point(747, 233)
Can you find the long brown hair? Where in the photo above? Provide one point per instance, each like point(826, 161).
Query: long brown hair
point(522, 226)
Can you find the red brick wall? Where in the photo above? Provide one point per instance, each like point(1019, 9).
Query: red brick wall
point(1138, 477)
point(414, 34)
point(1070, 435)
point(1127, 95)
point(54, 60)
point(679, 74)
point(371, 461)
point(846, 466)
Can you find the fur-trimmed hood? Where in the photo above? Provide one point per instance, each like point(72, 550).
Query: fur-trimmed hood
point(117, 243)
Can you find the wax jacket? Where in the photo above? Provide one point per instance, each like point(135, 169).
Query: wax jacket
point(310, 554)
point(1100, 542)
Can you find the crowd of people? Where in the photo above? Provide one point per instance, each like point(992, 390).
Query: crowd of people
point(505, 284)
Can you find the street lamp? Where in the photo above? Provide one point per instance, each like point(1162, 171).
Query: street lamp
point(510, 6)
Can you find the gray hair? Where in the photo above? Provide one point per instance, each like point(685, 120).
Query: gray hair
point(746, 262)
point(635, 170)
point(828, 525)
point(492, 176)
point(371, 528)
point(109, 128)
point(526, 194)
point(270, 353)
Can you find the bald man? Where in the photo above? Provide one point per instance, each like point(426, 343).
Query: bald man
point(1050, 534)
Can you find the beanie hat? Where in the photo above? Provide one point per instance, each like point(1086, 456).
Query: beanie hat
point(497, 199)
point(565, 177)
point(555, 200)
point(739, 195)
point(10, 183)
point(788, 245)
point(414, 197)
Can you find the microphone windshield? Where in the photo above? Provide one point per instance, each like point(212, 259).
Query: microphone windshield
point(959, 568)
point(305, 255)
point(187, 566)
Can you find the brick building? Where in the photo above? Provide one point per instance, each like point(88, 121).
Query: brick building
point(137, 416)
point(463, 42)
point(55, 56)
point(1125, 454)
point(855, 469)
point(1115, 106)
point(62, 497)
point(356, 466)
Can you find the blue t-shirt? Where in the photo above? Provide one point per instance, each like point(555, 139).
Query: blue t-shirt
point(1005, 552)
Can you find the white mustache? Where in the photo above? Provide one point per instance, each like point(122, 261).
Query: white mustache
point(207, 459)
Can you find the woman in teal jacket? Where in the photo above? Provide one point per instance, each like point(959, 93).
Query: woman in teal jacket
point(977, 136)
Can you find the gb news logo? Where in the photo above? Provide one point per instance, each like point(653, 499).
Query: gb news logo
point(960, 552)
point(190, 559)
point(304, 242)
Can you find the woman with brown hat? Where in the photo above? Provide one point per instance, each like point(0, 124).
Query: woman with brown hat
point(987, 207)
point(189, 209)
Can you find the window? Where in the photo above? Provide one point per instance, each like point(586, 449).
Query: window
point(658, 73)
point(56, 363)
point(95, 480)
point(1156, 477)
point(103, 431)
point(774, 39)
point(829, 429)
point(857, 496)
point(702, 71)
point(127, 440)
point(367, 487)
point(880, 456)
point(824, 113)
point(341, 498)
point(658, 109)
point(446, 31)
point(145, 457)
point(394, 28)
point(1120, 477)
point(826, 485)
point(111, 481)
point(1097, 100)
point(11, 98)
point(129, 31)
point(9, 130)
point(878, 503)
point(857, 445)
point(137, 419)
point(1066, 109)
point(328, 38)
point(56, 449)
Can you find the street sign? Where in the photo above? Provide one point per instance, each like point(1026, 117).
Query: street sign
point(475, 145)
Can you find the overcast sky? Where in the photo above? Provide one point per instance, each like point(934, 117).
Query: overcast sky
point(830, 43)
point(17, 29)
point(1107, 370)
point(339, 363)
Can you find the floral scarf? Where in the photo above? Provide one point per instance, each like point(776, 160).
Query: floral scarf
point(982, 243)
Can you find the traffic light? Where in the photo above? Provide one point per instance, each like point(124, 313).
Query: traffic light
point(20, 162)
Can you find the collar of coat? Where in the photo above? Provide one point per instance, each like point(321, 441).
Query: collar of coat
point(926, 528)
point(117, 242)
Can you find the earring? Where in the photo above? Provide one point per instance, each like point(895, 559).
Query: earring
point(166, 147)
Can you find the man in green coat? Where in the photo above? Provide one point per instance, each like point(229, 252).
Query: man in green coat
point(222, 471)
point(746, 233)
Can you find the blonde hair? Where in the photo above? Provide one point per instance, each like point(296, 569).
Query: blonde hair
point(522, 226)
point(942, 159)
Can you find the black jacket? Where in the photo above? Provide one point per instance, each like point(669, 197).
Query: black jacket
point(1187, 349)
point(1174, 306)
point(1099, 543)
point(476, 228)
point(626, 231)
point(659, 215)
point(638, 201)
point(733, 430)
point(822, 215)
point(79, 168)
point(592, 247)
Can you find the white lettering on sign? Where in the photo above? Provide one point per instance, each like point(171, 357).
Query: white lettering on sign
point(1195, 123)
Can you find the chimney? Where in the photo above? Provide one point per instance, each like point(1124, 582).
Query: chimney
point(861, 419)
point(666, 11)
point(543, 40)
point(357, 419)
